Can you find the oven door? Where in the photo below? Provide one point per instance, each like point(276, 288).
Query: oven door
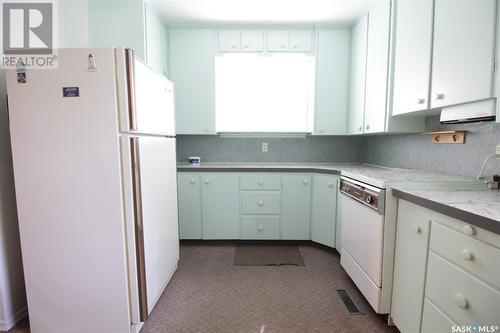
point(362, 245)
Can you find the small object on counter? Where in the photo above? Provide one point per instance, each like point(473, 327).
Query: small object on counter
point(194, 160)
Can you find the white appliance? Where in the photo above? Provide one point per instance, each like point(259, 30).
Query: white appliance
point(363, 237)
point(93, 147)
point(469, 113)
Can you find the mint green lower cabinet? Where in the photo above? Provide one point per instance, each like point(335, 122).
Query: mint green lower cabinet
point(412, 242)
point(221, 205)
point(260, 227)
point(189, 201)
point(338, 222)
point(324, 209)
point(296, 211)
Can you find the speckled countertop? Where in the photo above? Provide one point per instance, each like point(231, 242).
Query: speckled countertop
point(478, 207)
point(370, 174)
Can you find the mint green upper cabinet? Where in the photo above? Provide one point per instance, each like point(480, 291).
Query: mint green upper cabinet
point(301, 40)
point(156, 42)
point(189, 201)
point(240, 40)
point(278, 40)
point(412, 56)
point(358, 75)
point(192, 67)
point(377, 63)
point(229, 40)
point(324, 209)
point(296, 206)
point(332, 77)
point(252, 40)
point(463, 51)
point(221, 205)
point(117, 24)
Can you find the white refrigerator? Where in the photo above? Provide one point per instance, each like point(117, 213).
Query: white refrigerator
point(93, 145)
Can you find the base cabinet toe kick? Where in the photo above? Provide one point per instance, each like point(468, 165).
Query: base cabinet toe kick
point(446, 274)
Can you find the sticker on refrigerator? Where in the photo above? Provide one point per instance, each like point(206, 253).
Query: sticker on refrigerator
point(71, 92)
point(21, 73)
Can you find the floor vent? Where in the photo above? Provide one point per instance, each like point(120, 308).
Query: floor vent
point(349, 304)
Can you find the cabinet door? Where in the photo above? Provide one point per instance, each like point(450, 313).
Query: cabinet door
point(193, 73)
point(189, 190)
point(324, 209)
point(332, 77)
point(412, 62)
point(463, 51)
point(301, 40)
point(229, 40)
point(296, 207)
point(358, 75)
point(252, 40)
point(412, 241)
point(377, 63)
point(156, 42)
point(278, 40)
point(221, 205)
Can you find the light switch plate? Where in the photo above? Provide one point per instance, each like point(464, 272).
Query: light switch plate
point(265, 147)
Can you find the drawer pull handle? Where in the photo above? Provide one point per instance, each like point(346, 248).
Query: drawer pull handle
point(260, 228)
point(192, 181)
point(261, 182)
point(261, 203)
point(305, 181)
point(467, 255)
point(461, 301)
point(330, 184)
point(468, 230)
point(417, 229)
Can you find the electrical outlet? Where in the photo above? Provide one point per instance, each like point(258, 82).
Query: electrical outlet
point(498, 150)
point(265, 147)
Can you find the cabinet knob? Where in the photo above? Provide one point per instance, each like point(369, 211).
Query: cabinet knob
point(234, 46)
point(305, 182)
point(295, 46)
point(192, 181)
point(283, 46)
point(461, 301)
point(261, 182)
point(468, 230)
point(330, 184)
point(360, 128)
point(260, 228)
point(207, 181)
point(260, 203)
point(247, 46)
point(467, 255)
point(439, 96)
point(420, 100)
point(206, 129)
point(417, 229)
point(368, 126)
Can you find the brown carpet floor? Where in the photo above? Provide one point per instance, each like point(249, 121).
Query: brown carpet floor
point(208, 294)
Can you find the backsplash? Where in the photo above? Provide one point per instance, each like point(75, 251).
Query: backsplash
point(339, 149)
point(417, 150)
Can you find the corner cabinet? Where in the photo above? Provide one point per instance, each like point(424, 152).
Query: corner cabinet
point(332, 81)
point(324, 209)
point(192, 68)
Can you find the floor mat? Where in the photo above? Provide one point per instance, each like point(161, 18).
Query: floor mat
point(255, 254)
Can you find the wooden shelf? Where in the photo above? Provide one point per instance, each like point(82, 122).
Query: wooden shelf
point(447, 137)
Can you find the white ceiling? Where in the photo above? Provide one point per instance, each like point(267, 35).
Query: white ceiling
point(337, 12)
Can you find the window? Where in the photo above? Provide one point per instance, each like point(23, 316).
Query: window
point(270, 93)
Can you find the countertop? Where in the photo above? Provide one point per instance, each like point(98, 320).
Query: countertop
point(370, 174)
point(477, 207)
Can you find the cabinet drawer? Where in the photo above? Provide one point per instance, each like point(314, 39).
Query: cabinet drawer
point(261, 182)
point(260, 227)
point(474, 256)
point(462, 297)
point(261, 202)
point(434, 320)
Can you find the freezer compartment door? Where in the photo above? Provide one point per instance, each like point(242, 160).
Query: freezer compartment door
point(150, 99)
point(155, 214)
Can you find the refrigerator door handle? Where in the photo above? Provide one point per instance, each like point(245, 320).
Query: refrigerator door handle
point(138, 226)
point(129, 60)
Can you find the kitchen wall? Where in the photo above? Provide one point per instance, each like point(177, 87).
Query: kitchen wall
point(338, 149)
point(417, 150)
